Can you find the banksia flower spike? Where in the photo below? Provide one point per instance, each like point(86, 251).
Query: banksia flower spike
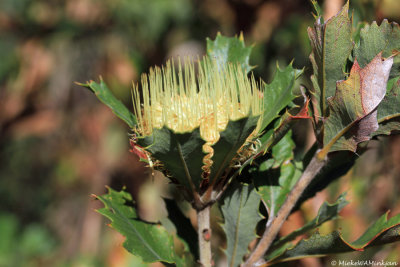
point(187, 116)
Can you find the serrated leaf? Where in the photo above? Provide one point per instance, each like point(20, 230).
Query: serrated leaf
point(240, 211)
point(278, 94)
point(231, 139)
point(106, 96)
point(229, 49)
point(326, 213)
point(181, 153)
point(383, 231)
point(375, 39)
point(331, 46)
point(353, 114)
point(389, 111)
point(274, 184)
point(149, 241)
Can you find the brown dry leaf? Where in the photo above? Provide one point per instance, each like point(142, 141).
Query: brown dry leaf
point(353, 109)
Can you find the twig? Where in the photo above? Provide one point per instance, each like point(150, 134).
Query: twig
point(204, 235)
point(276, 223)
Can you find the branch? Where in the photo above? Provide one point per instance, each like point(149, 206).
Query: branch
point(275, 224)
point(204, 235)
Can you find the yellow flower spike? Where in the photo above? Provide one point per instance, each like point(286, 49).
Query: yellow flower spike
point(183, 99)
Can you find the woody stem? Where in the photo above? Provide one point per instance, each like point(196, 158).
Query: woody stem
point(204, 235)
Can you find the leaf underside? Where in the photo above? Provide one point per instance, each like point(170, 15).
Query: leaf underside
point(353, 114)
point(240, 212)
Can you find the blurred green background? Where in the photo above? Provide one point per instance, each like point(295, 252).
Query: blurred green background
point(58, 144)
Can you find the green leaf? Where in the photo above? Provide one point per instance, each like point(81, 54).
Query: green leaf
point(274, 184)
point(317, 8)
point(277, 185)
point(353, 115)
point(229, 49)
point(149, 241)
point(240, 211)
point(231, 139)
point(389, 110)
point(105, 95)
point(357, 35)
point(331, 46)
point(326, 213)
point(278, 94)
point(282, 152)
point(375, 39)
point(181, 153)
point(383, 231)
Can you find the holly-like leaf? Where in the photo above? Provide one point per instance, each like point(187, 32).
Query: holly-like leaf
point(240, 211)
point(229, 49)
point(331, 46)
point(279, 93)
point(326, 213)
point(383, 231)
point(231, 139)
point(389, 111)
point(353, 114)
point(149, 241)
point(274, 184)
point(181, 154)
point(106, 96)
point(375, 39)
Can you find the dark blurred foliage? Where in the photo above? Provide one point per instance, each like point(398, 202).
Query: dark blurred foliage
point(58, 144)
